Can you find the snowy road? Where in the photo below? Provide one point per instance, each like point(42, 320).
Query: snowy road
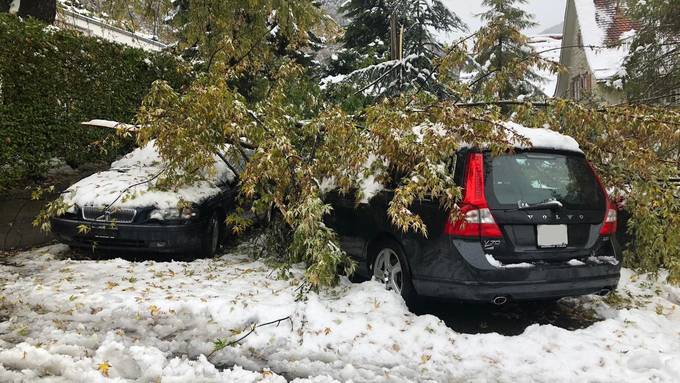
point(115, 320)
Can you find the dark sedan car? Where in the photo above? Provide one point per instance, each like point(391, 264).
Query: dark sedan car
point(533, 224)
point(119, 209)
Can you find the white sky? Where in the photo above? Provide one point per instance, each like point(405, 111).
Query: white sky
point(547, 13)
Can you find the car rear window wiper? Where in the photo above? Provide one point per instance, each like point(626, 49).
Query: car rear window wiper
point(551, 204)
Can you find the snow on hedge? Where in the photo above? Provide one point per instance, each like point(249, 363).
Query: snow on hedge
point(68, 320)
point(137, 167)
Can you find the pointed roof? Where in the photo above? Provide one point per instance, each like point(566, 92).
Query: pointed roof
point(606, 33)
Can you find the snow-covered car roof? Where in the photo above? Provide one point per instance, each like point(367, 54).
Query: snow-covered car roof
point(544, 138)
point(538, 138)
point(128, 177)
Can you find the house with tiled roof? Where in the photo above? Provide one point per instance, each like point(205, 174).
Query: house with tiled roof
point(596, 39)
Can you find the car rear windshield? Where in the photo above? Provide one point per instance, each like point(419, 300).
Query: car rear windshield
point(529, 178)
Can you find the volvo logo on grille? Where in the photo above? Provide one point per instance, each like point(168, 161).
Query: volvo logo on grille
point(109, 215)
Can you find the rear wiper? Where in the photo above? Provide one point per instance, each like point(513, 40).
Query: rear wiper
point(552, 205)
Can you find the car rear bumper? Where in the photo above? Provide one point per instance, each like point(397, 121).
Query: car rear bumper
point(462, 271)
point(130, 237)
point(486, 291)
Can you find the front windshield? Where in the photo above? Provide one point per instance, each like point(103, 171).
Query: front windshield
point(530, 178)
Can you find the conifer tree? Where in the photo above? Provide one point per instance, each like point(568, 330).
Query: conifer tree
point(506, 62)
point(653, 66)
point(367, 40)
point(369, 20)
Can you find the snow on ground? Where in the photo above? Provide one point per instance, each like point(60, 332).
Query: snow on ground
point(76, 320)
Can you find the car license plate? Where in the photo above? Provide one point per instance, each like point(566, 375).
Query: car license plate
point(103, 231)
point(551, 236)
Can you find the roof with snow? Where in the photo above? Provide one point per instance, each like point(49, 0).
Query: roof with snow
point(606, 34)
point(611, 18)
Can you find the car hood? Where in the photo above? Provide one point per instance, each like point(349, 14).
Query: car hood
point(131, 183)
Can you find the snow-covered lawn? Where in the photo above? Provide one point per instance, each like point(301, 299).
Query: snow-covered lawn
point(74, 320)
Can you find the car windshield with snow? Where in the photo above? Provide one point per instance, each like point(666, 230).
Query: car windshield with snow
point(532, 224)
point(122, 209)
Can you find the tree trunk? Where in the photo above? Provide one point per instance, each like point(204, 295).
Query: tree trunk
point(4, 5)
point(45, 10)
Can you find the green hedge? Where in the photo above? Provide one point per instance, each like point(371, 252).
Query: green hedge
point(51, 80)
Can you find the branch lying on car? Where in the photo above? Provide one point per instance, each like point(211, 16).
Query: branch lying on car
point(135, 185)
point(98, 123)
point(232, 168)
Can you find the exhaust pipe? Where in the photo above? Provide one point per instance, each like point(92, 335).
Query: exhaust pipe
point(604, 292)
point(500, 300)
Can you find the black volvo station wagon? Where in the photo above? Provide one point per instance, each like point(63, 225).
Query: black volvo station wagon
point(534, 224)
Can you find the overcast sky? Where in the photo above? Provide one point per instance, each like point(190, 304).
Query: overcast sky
point(547, 13)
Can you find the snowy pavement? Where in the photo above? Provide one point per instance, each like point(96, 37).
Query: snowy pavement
point(115, 320)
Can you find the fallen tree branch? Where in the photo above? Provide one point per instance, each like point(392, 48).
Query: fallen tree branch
point(237, 177)
point(220, 344)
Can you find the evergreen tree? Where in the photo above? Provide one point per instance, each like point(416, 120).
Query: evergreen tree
point(506, 62)
point(369, 21)
point(367, 40)
point(653, 67)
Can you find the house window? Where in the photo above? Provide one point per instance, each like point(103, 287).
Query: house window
point(581, 85)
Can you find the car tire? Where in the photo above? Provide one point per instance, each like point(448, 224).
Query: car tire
point(212, 237)
point(390, 267)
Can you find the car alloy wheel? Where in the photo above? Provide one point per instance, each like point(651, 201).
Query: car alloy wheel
point(388, 270)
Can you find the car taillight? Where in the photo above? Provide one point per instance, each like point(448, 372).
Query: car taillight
point(610, 218)
point(610, 214)
point(474, 219)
